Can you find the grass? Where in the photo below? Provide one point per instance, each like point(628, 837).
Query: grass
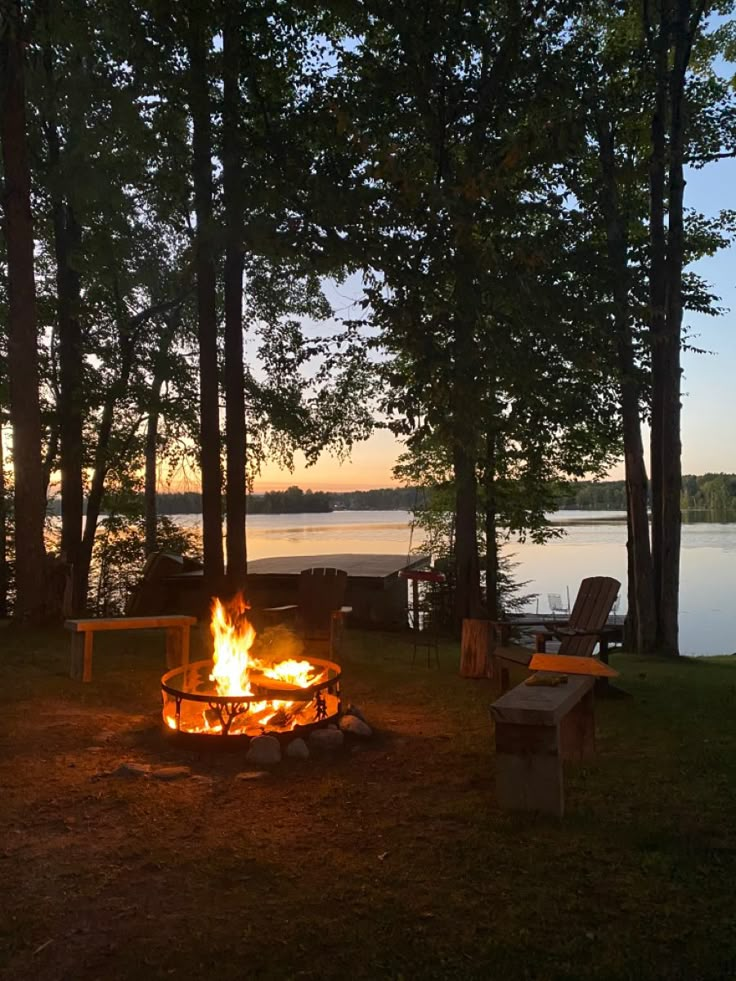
point(393, 862)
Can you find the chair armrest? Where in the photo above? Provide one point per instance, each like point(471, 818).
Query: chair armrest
point(578, 632)
point(279, 609)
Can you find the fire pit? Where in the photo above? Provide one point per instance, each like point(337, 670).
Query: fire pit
point(237, 694)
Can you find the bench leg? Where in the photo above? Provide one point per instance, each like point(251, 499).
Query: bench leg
point(80, 668)
point(529, 768)
point(173, 647)
point(577, 731)
point(499, 675)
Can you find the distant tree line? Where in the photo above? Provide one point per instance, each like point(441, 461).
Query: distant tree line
point(709, 492)
point(293, 500)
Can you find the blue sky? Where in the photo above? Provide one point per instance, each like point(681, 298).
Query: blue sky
point(709, 385)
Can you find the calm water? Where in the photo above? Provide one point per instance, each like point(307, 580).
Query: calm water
point(595, 545)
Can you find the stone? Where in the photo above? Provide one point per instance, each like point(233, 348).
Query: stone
point(326, 740)
point(297, 750)
point(355, 726)
point(171, 773)
point(201, 780)
point(264, 751)
point(251, 775)
point(132, 770)
point(354, 710)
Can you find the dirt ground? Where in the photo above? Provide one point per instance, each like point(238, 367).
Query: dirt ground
point(388, 859)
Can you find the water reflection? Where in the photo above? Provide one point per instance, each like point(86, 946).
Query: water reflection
point(594, 544)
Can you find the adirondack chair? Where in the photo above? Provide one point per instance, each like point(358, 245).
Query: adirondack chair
point(319, 613)
point(587, 625)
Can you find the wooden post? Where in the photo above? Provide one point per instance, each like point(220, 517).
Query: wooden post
point(81, 663)
point(529, 768)
point(478, 641)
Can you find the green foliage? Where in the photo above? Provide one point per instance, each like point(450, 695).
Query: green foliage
point(291, 501)
point(119, 556)
point(707, 492)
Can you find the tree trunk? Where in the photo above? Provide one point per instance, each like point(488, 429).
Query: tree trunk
point(492, 598)
point(199, 101)
point(3, 532)
point(94, 505)
point(670, 460)
point(235, 435)
point(467, 568)
point(25, 415)
point(151, 439)
point(67, 242)
point(149, 485)
point(640, 562)
point(659, 35)
point(127, 340)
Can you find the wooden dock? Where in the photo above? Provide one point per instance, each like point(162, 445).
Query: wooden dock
point(375, 590)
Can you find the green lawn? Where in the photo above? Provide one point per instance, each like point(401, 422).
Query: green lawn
point(393, 862)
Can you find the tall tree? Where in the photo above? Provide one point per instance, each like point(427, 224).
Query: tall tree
point(29, 504)
point(67, 234)
point(232, 183)
point(462, 220)
point(199, 42)
point(671, 27)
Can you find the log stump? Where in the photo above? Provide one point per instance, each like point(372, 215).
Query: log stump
point(476, 647)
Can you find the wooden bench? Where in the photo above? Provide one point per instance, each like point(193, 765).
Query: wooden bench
point(537, 727)
point(83, 631)
point(504, 658)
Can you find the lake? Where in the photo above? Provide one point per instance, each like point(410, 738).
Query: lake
point(594, 544)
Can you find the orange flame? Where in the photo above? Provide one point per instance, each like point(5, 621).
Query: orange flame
point(233, 634)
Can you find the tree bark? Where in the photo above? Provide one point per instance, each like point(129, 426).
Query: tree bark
point(149, 479)
point(151, 440)
point(199, 102)
point(640, 563)
point(67, 242)
point(492, 599)
point(235, 434)
point(467, 567)
point(659, 40)
point(685, 23)
point(25, 415)
point(3, 531)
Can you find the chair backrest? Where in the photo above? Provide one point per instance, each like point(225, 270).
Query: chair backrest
point(593, 603)
point(148, 596)
point(320, 592)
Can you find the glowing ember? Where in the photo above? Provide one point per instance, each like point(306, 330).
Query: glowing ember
point(271, 691)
